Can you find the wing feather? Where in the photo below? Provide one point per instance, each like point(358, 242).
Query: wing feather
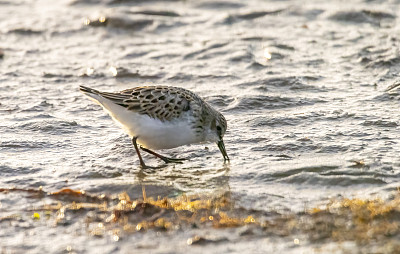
point(163, 102)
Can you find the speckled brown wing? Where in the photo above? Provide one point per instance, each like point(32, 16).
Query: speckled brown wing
point(162, 102)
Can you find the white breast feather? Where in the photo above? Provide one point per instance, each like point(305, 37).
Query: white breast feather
point(152, 133)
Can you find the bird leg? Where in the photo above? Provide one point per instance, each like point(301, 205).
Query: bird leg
point(138, 152)
point(165, 159)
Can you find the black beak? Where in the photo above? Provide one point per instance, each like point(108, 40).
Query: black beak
point(221, 147)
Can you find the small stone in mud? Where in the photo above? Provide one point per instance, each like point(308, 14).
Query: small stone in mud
point(146, 209)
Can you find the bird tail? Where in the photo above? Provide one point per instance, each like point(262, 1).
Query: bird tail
point(85, 89)
point(93, 94)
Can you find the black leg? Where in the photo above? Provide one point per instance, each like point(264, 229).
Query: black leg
point(138, 152)
point(165, 159)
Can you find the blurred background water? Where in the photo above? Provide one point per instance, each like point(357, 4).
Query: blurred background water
point(303, 86)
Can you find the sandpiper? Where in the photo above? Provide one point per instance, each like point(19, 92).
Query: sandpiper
point(162, 117)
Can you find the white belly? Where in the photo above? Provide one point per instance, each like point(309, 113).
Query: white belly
point(155, 134)
point(152, 133)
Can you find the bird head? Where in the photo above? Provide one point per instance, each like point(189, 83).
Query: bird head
point(219, 126)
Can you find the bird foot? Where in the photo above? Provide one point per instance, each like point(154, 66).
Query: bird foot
point(165, 159)
point(172, 160)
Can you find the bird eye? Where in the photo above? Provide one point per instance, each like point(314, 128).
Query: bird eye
point(219, 128)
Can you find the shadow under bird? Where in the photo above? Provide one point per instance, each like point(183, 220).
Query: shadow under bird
point(162, 117)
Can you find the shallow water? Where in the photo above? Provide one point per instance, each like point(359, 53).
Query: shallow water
point(302, 86)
